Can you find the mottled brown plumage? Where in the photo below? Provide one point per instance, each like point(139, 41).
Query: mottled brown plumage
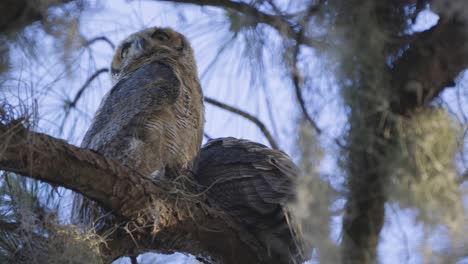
point(252, 184)
point(152, 118)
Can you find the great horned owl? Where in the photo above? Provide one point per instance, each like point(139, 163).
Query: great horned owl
point(152, 118)
point(252, 184)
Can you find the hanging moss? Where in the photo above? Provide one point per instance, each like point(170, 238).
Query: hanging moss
point(314, 196)
point(421, 166)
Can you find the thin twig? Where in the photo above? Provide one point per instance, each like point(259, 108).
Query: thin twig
point(246, 115)
point(463, 178)
point(208, 137)
point(102, 38)
point(86, 85)
point(71, 104)
point(296, 78)
point(285, 28)
point(297, 87)
point(275, 7)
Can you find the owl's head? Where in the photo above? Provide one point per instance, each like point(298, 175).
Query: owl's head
point(147, 46)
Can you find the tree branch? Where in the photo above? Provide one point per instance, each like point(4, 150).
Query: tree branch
point(9, 226)
point(85, 86)
point(285, 28)
point(246, 115)
point(71, 104)
point(432, 62)
point(45, 158)
point(17, 14)
point(102, 38)
point(273, 20)
point(463, 178)
point(296, 78)
point(158, 221)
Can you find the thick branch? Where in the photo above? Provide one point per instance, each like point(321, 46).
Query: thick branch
point(17, 14)
point(45, 158)
point(246, 115)
point(157, 221)
point(432, 62)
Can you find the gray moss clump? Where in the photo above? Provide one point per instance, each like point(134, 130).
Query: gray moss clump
point(59, 244)
point(421, 170)
point(70, 245)
point(314, 196)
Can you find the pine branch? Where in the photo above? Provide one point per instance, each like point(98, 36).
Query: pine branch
point(101, 38)
point(246, 115)
point(287, 29)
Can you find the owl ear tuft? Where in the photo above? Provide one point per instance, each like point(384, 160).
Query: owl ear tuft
point(184, 43)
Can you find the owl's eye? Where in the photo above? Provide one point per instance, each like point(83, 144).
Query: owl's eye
point(161, 36)
point(124, 51)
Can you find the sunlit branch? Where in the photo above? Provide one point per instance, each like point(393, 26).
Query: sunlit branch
point(246, 115)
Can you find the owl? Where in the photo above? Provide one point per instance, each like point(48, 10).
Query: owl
point(151, 120)
point(252, 184)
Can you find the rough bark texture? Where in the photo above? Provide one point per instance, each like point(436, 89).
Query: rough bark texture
point(158, 221)
point(17, 14)
point(432, 62)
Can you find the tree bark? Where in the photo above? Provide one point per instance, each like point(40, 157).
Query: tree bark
point(432, 62)
point(17, 14)
point(158, 221)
